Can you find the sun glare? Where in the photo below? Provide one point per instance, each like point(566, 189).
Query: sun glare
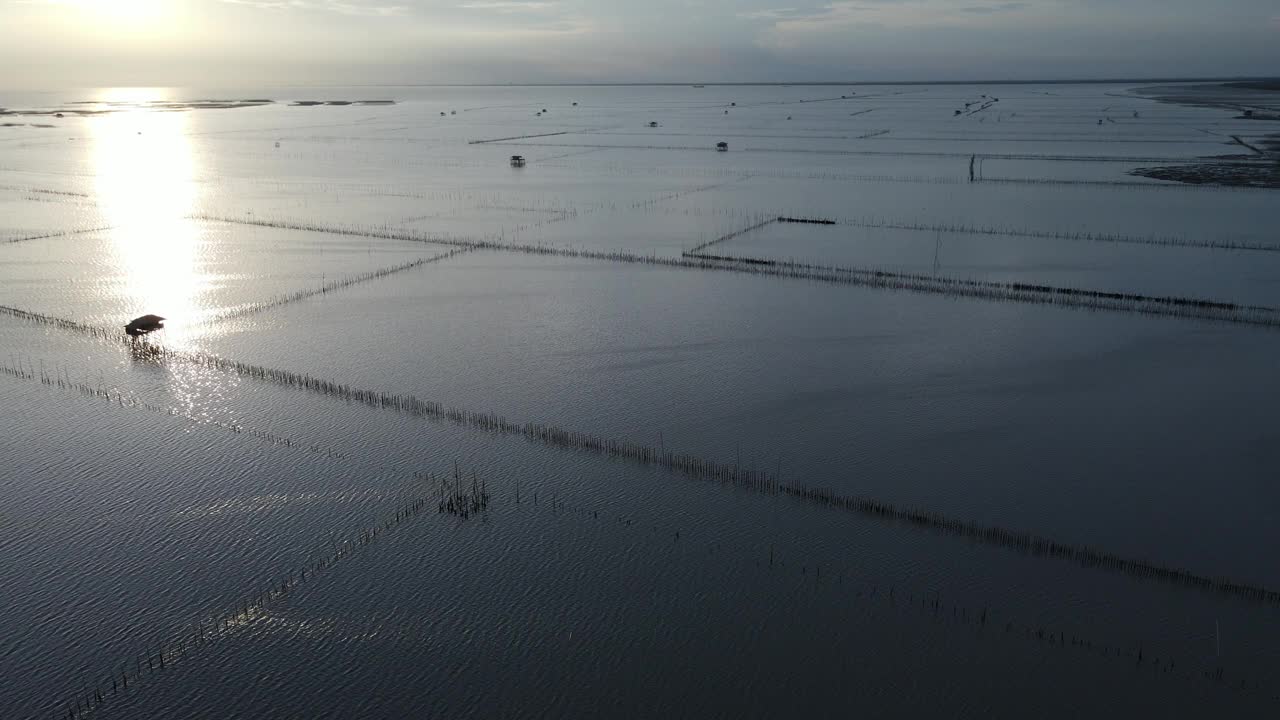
point(122, 14)
point(147, 188)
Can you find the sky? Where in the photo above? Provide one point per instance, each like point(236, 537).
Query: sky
point(207, 43)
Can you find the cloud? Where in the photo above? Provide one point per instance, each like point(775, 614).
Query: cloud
point(772, 14)
point(509, 6)
point(887, 13)
point(992, 9)
point(342, 7)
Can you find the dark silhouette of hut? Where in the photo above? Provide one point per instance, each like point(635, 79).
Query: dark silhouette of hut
point(722, 147)
point(517, 161)
point(144, 325)
point(653, 123)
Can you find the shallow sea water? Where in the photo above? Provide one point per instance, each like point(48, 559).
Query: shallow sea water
point(147, 497)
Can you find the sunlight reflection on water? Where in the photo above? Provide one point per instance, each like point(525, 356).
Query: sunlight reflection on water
point(146, 186)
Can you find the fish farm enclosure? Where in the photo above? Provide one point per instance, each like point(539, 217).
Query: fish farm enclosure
point(641, 401)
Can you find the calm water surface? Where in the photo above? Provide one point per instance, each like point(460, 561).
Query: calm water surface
point(147, 498)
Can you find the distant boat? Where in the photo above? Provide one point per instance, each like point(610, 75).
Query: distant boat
point(144, 325)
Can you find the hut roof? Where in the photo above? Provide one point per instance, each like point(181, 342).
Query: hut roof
point(144, 324)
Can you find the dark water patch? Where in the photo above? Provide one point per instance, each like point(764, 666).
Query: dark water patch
point(1267, 85)
point(809, 221)
point(990, 622)
point(1227, 185)
point(1209, 174)
point(1232, 96)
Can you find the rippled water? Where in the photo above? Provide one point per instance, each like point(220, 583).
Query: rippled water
point(148, 498)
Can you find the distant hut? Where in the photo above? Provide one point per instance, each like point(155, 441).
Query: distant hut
point(575, 104)
point(517, 161)
point(722, 147)
point(653, 123)
point(144, 325)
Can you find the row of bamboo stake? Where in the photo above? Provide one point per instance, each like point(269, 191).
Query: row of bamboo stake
point(692, 466)
point(1076, 298)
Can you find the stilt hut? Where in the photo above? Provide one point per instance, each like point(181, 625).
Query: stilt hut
point(144, 325)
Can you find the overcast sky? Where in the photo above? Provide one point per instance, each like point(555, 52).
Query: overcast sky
point(60, 43)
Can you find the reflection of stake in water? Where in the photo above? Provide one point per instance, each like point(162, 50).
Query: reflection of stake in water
point(62, 380)
point(929, 604)
point(252, 607)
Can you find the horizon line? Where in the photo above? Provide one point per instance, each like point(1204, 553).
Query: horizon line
point(803, 83)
